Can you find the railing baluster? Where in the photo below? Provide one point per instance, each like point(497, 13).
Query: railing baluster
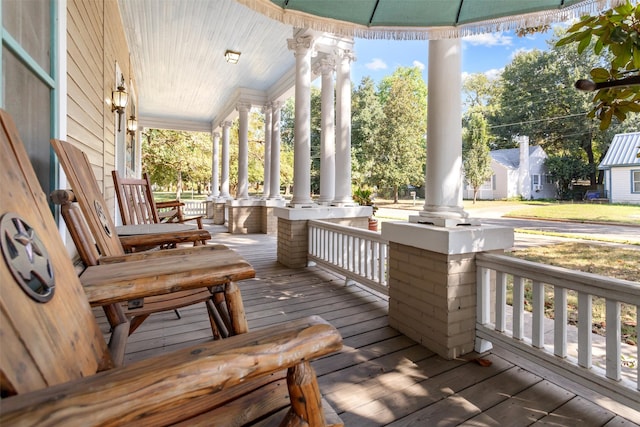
point(483, 303)
point(560, 321)
point(501, 301)
point(518, 307)
point(537, 334)
point(613, 339)
point(584, 329)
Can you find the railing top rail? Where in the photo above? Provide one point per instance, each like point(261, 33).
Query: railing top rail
point(593, 284)
point(345, 229)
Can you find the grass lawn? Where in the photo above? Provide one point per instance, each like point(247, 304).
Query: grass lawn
point(628, 214)
point(605, 260)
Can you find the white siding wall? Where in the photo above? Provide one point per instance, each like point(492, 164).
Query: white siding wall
point(537, 167)
point(502, 181)
point(620, 185)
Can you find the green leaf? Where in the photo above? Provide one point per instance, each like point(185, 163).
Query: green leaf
point(600, 74)
point(584, 43)
point(636, 57)
point(598, 46)
point(605, 119)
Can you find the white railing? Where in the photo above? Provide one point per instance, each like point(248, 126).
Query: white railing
point(596, 362)
point(194, 208)
point(357, 254)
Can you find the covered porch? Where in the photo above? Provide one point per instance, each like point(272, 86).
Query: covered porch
point(381, 377)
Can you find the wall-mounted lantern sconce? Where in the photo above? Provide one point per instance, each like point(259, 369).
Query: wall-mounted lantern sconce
point(119, 100)
point(132, 125)
point(232, 57)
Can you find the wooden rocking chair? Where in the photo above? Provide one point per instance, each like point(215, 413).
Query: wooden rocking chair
point(215, 266)
point(137, 205)
point(52, 346)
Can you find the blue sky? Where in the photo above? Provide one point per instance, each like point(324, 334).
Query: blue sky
point(485, 53)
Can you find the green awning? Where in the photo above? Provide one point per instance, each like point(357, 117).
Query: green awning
point(423, 19)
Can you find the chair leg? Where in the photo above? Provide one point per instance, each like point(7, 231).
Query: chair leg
point(177, 313)
point(217, 325)
point(236, 308)
point(306, 400)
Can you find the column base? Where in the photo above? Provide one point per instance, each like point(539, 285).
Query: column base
point(439, 221)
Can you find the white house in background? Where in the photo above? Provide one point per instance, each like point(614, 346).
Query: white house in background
point(621, 167)
point(517, 172)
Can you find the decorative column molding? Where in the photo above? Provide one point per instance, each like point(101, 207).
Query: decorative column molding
point(224, 179)
point(274, 192)
point(242, 191)
point(328, 130)
point(343, 128)
point(268, 117)
point(443, 177)
point(302, 47)
point(215, 160)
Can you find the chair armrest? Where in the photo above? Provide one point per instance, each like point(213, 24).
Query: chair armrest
point(213, 250)
point(122, 395)
point(112, 283)
point(150, 240)
point(169, 204)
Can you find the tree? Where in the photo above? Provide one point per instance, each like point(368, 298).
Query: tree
point(366, 121)
point(475, 152)
point(616, 31)
point(566, 170)
point(399, 152)
point(173, 157)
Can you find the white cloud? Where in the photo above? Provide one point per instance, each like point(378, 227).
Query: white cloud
point(518, 52)
point(494, 73)
point(376, 64)
point(489, 39)
point(418, 64)
point(491, 74)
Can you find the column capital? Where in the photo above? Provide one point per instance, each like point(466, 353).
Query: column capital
point(226, 124)
point(243, 106)
point(276, 105)
point(346, 55)
point(300, 45)
point(326, 65)
point(266, 108)
point(216, 134)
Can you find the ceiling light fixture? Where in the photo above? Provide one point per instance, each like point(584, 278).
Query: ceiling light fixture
point(232, 57)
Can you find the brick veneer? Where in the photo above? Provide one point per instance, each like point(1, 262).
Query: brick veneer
point(432, 298)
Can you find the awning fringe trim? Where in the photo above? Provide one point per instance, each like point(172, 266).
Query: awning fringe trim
point(530, 20)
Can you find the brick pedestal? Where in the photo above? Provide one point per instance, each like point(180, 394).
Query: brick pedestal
point(218, 213)
point(432, 282)
point(293, 233)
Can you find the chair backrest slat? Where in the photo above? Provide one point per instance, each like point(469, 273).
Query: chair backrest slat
point(80, 175)
point(135, 200)
point(43, 342)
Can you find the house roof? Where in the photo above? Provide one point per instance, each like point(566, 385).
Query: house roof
point(510, 157)
point(624, 151)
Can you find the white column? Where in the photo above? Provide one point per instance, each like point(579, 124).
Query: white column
point(343, 128)
point(328, 130)
point(267, 150)
point(224, 181)
point(274, 181)
point(443, 177)
point(242, 191)
point(302, 47)
point(215, 160)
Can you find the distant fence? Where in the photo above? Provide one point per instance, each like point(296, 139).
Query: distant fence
point(195, 208)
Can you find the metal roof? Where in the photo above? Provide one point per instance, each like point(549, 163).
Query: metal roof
point(624, 151)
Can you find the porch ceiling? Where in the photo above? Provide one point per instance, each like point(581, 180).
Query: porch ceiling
point(177, 53)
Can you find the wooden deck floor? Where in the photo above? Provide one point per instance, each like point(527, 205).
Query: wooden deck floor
point(382, 377)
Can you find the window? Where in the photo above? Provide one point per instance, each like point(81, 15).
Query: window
point(548, 179)
point(635, 181)
point(28, 79)
point(535, 179)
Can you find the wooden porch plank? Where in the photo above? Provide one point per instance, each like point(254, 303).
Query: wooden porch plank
point(528, 406)
point(382, 377)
